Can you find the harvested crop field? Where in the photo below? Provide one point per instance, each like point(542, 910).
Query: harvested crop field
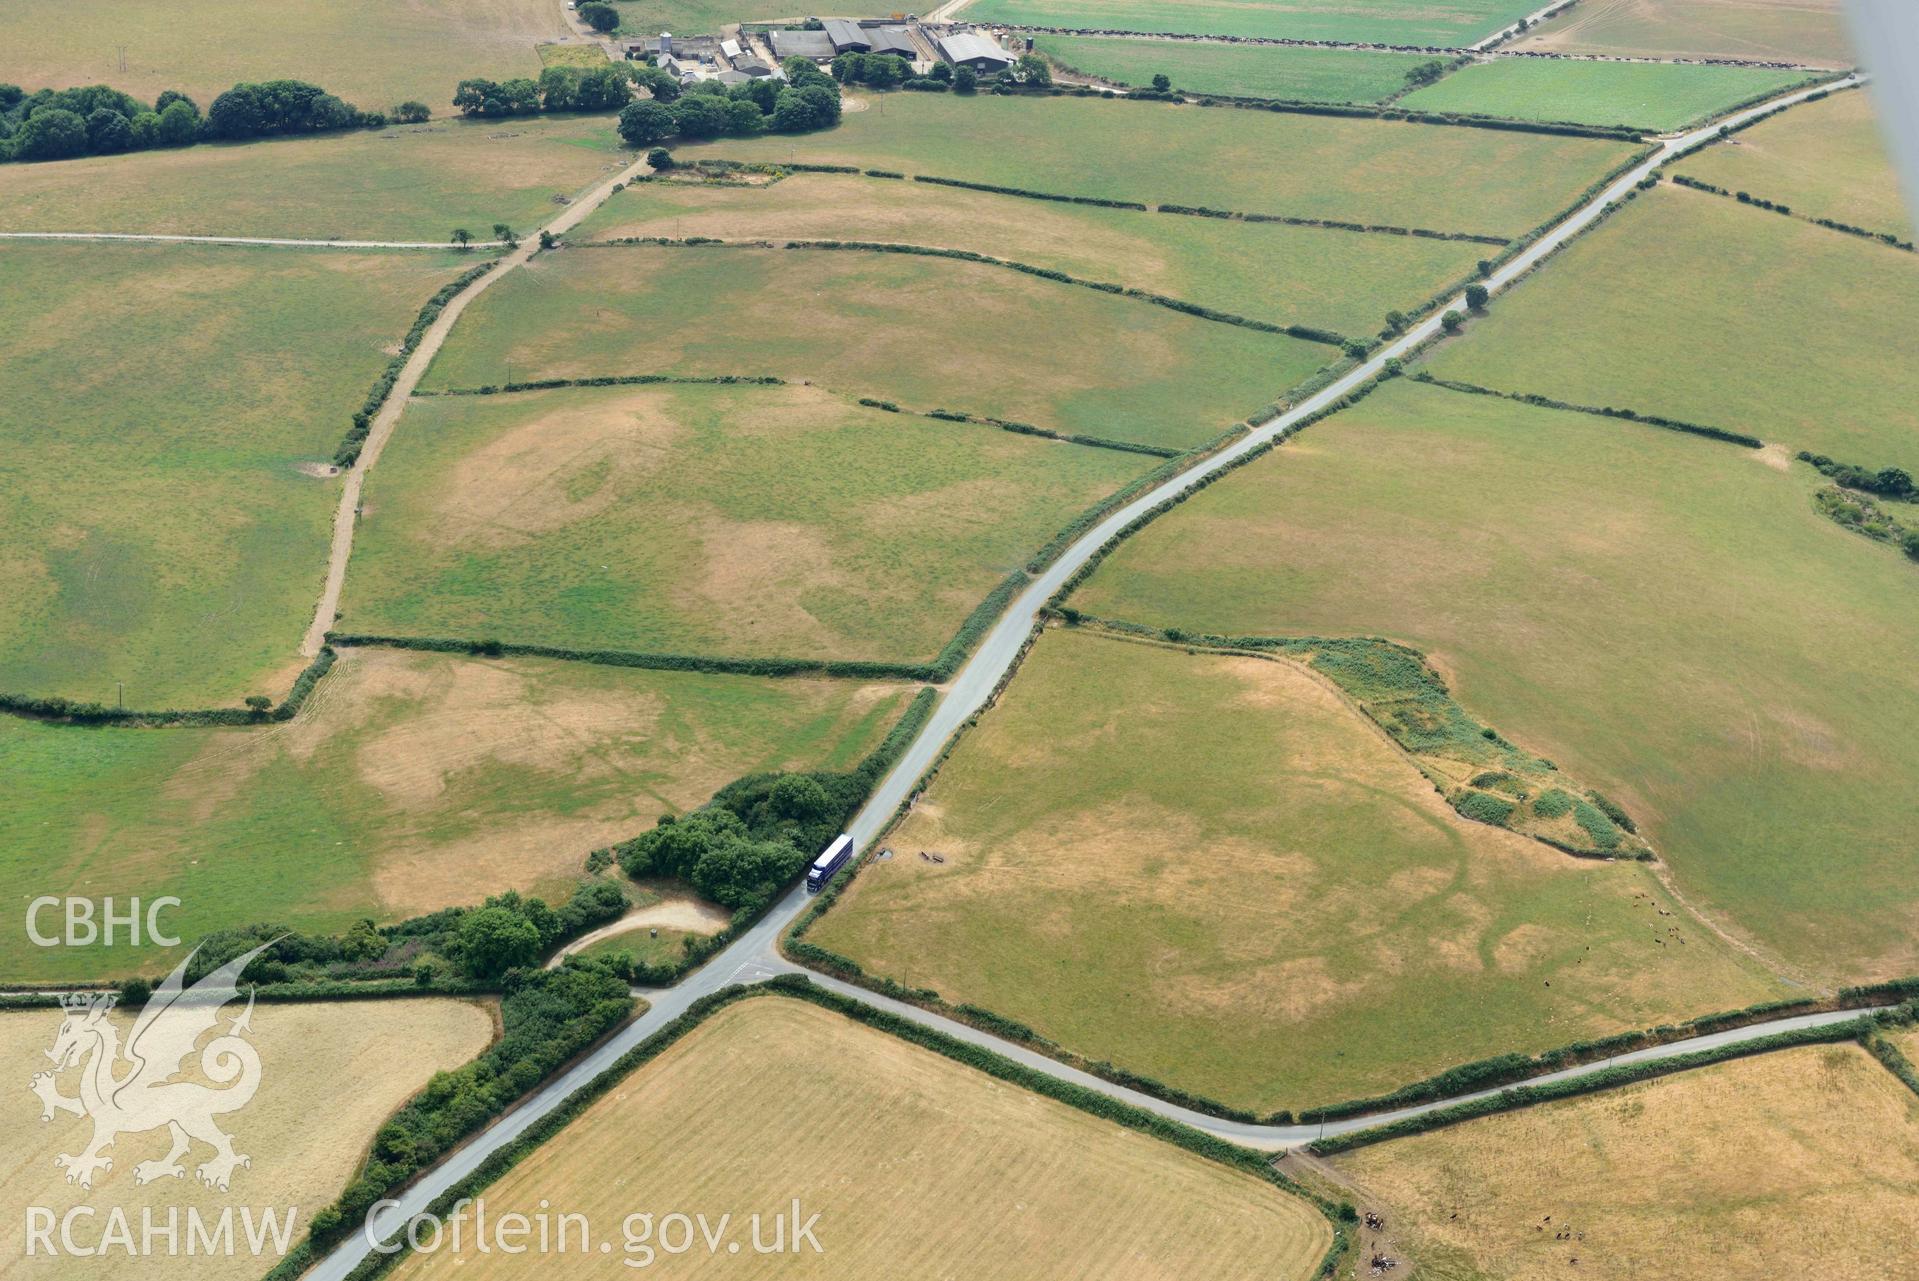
point(373, 53)
point(1244, 71)
point(1267, 271)
point(409, 182)
point(1643, 95)
point(408, 783)
point(1802, 1163)
point(1696, 307)
point(747, 522)
point(902, 1153)
point(928, 333)
point(1822, 159)
point(1666, 617)
point(1480, 181)
point(1810, 31)
point(330, 1074)
point(1385, 21)
point(1213, 871)
point(165, 530)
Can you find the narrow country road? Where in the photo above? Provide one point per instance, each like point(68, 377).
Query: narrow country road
point(755, 955)
point(146, 237)
point(346, 516)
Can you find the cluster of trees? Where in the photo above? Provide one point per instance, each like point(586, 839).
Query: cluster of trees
point(881, 70)
point(1887, 482)
point(808, 100)
point(558, 89)
point(96, 120)
point(600, 16)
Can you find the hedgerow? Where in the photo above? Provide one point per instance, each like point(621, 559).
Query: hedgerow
point(349, 451)
point(1331, 224)
point(67, 711)
point(1608, 411)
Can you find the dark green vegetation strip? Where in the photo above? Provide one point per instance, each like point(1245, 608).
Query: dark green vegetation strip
point(849, 669)
point(614, 380)
point(65, 711)
point(1307, 333)
point(1861, 515)
point(349, 451)
point(1759, 202)
point(1331, 224)
point(1023, 429)
point(1608, 411)
point(1894, 1059)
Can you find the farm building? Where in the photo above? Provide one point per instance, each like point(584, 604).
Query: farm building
point(970, 49)
point(891, 40)
point(802, 44)
point(847, 36)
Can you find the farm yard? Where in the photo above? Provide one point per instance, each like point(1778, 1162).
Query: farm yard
point(1810, 31)
point(407, 182)
point(1653, 611)
point(746, 522)
point(1825, 160)
point(1246, 71)
point(1274, 272)
point(409, 783)
point(1637, 315)
point(1212, 871)
point(370, 53)
point(1382, 21)
point(330, 1074)
point(1156, 377)
point(167, 510)
point(900, 1182)
point(1646, 95)
point(1800, 1163)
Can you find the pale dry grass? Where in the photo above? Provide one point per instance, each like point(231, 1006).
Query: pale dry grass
point(1811, 31)
point(330, 1074)
point(916, 1165)
point(1801, 1164)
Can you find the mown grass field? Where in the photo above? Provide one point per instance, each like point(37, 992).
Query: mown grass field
point(1824, 159)
point(1810, 31)
point(330, 1075)
point(371, 53)
point(925, 332)
point(1386, 21)
point(1479, 181)
point(1645, 95)
point(639, 18)
point(1213, 871)
point(160, 402)
point(903, 1154)
point(1667, 618)
point(1696, 307)
point(410, 782)
point(1803, 1163)
point(1268, 271)
point(1245, 71)
point(409, 182)
point(748, 522)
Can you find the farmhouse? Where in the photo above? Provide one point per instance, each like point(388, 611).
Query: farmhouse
point(970, 49)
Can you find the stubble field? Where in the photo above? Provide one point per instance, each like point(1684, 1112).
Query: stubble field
point(1811, 31)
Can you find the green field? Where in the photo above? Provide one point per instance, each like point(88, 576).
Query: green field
point(1269, 271)
point(695, 17)
point(373, 53)
point(754, 522)
point(1213, 871)
point(1445, 22)
point(1243, 71)
point(409, 783)
point(1824, 159)
point(411, 182)
point(160, 401)
point(1667, 618)
point(1695, 307)
point(1644, 95)
point(1810, 31)
point(590, 56)
point(1480, 181)
point(925, 332)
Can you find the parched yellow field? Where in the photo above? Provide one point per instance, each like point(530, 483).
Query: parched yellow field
point(1801, 1164)
point(409, 782)
point(330, 1074)
point(916, 1166)
point(1823, 159)
point(1269, 271)
point(1213, 871)
point(373, 53)
point(1811, 31)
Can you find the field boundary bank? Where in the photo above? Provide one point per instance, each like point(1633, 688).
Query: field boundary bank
point(1608, 411)
point(773, 380)
point(1751, 201)
point(267, 242)
point(799, 987)
point(56, 710)
point(1361, 46)
point(1305, 333)
point(797, 168)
